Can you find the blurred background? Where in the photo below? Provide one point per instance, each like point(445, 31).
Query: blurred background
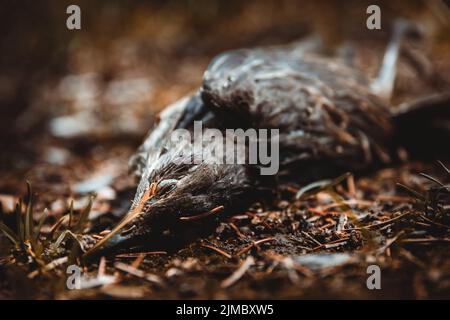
point(71, 101)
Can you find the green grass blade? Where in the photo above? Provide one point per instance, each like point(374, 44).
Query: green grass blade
point(40, 224)
point(29, 215)
point(84, 216)
point(19, 218)
point(9, 233)
point(318, 186)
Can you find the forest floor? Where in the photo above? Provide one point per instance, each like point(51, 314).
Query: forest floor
point(75, 140)
point(317, 247)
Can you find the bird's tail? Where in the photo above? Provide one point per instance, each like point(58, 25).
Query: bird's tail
point(423, 126)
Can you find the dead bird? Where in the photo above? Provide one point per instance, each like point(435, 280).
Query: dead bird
point(331, 119)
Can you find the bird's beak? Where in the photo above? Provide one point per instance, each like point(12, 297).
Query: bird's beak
point(113, 244)
point(114, 240)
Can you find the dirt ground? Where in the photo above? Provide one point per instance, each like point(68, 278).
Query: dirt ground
point(73, 114)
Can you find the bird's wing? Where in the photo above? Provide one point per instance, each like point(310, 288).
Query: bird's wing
point(323, 109)
point(158, 136)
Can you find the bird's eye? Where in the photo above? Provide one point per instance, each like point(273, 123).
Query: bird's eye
point(166, 186)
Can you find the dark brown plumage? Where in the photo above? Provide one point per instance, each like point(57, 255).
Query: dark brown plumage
point(329, 122)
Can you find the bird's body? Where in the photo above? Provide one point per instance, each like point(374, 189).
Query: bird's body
point(329, 122)
point(324, 110)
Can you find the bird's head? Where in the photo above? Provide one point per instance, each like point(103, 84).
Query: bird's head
point(176, 200)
